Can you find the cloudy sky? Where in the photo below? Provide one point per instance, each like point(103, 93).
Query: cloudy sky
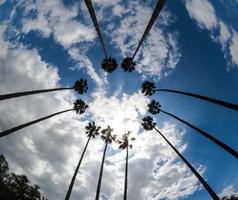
point(193, 47)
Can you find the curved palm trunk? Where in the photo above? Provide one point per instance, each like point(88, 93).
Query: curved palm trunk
point(76, 172)
point(126, 175)
point(9, 131)
point(200, 178)
point(101, 173)
point(211, 100)
point(26, 93)
point(154, 16)
point(211, 138)
point(96, 25)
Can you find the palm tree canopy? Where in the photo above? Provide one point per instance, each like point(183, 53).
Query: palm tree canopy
point(109, 64)
point(148, 88)
point(128, 65)
point(80, 106)
point(154, 107)
point(125, 141)
point(92, 130)
point(232, 197)
point(106, 135)
point(81, 86)
point(147, 123)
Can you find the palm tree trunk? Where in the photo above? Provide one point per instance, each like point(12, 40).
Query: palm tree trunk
point(154, 16)
point(211, 100)
point(126, 175)
point(96, 25)
point(211, 138)
point(9, 131)
point(100, 174)
point(200, 178)
point(26, 93)
point(76, 172)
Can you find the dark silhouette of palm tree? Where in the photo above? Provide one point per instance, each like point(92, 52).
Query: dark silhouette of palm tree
point(109, 64)
point(148, 88)
point(79, 106)
point(127, 64)
point(125, 143)
point(232, 197)
point(80, 86)
point(148, 124)
point(155, 108)
point(91, 131)
point(108, 138)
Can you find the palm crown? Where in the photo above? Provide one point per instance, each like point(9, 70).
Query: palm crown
point(128, 65)
point(148, 88)
point(147, 123)
point(109, 64)
point(92, 130)
point(81, 86)
point(80, 106)
point(154, 107)
point(106, 135)
point(125, 141)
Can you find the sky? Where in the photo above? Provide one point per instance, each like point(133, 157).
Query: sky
point(193, 47)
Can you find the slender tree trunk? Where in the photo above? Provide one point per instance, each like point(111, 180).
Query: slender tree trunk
point(126, 176)
point(101, 173)
point(208, 99)
point(26, 93)
point(154, 16)
point(200, 178)
point(211, 138)
point(76, 172)
point(96, 25)
point(9, 131)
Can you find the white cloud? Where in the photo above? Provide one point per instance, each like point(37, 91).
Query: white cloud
point(2, 1)
point(203, 12)
point(228, 191)
point(83, 61)
point(55, 18)
point(234, 48)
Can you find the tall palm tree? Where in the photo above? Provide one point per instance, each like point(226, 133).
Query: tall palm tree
point(155, 108)
point(148, 88)
point(148, 124)
point(125, 143)
point(127, 64)
point(79, 106)
point(91, 131)
point(109, 64)
point(80, 86)
point(108, 138)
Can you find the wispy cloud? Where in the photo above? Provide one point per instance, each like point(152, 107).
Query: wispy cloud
point(203, 12)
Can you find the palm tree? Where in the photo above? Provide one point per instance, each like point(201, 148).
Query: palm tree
point(148, 124)
point(91, 131)
point(155, 108)
point(79, 106)
point(108, 138)
point(80, 86)
point(127, 64)
point(125, 143)
point(232, 197)
point(148, 88)
point(109, 64)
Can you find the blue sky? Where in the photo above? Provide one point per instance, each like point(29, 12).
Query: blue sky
point(192, 47)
